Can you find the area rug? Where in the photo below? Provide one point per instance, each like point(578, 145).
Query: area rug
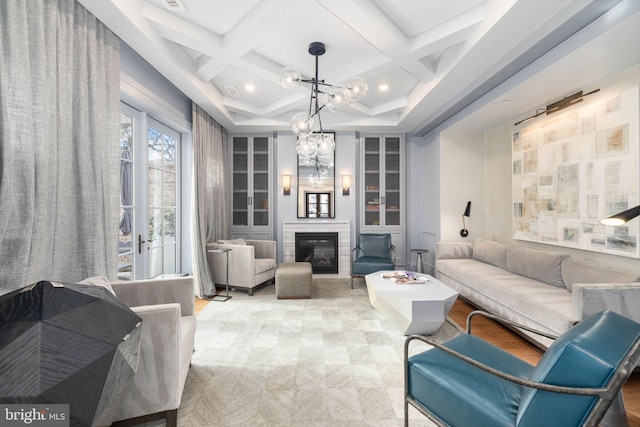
point(331, 360)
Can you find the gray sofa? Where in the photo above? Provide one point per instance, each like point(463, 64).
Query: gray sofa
point(547, 291)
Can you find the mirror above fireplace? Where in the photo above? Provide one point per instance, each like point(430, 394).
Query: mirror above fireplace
point(316, 187)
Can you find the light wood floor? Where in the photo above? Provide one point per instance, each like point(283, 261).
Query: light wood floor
point(507, 340)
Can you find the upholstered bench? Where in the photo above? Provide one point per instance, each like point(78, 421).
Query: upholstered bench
point(293, 280)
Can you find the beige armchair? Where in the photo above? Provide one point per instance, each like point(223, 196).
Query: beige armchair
point(166, 307)
point(251, 263)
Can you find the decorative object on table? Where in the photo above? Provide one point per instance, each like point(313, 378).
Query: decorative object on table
point(467, 212)
point(312, 140)
point(404, 277)
point(419, 253)
point(68, 344)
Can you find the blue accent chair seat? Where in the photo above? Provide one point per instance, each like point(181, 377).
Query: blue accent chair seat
point(469, 382)
point(374, 252)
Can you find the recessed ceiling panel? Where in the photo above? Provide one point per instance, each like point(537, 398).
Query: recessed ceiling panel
point(217, 16)
point(414, 17)
point(289, 46)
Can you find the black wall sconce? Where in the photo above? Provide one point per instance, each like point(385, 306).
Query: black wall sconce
point(622, 217)
point(467, 212)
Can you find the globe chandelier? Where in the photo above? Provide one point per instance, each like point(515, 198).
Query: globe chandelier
point(313, 142)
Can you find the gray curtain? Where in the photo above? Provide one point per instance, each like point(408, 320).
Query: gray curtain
point(59, 119)
point(211, 193)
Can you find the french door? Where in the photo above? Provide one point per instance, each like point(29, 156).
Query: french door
point(149, 235)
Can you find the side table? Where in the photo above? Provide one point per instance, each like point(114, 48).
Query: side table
point(419, 258)
point(216, 297)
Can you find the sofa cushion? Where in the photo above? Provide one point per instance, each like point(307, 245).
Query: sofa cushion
point(98, 281)
point(576, 270)
point(514, 297)
point(491, 252)
point(536, 264)
point(260, 265)
point(233, 242)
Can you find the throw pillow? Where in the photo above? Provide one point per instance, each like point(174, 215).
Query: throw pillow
point(539, 265)
point(491, 252)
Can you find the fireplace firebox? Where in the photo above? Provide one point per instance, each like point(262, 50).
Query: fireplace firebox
point(319, 249)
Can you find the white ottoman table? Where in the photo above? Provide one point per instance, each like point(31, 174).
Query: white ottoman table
point(293, 280)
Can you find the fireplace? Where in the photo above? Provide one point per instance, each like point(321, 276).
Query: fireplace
point(319, 249)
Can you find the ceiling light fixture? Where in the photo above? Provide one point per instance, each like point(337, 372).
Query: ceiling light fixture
point(312, 140)
point(383, 87)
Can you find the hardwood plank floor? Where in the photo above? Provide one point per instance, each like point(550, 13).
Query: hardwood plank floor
point(508, 341)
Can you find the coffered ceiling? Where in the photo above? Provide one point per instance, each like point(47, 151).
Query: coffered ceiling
point(434, 57)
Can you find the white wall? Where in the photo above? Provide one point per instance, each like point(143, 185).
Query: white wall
point(462, 179)
point(286, 164)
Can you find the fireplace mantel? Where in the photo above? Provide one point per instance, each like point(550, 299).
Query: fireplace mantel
point(343, 228)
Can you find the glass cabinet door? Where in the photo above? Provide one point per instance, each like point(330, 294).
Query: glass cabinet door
point(382, 176)
point(240, 197)
point(251, 174)
point(261, 181)
point(392, 181)
point(372, 181)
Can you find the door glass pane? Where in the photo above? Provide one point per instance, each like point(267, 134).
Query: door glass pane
point(155, 147)
point(126, 232)
point(162, 200)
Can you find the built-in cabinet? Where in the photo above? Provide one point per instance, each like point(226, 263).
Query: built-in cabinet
point(382, 188)
point(251, 202)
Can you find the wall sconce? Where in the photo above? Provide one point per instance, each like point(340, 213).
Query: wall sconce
point(467, 212)
point(286, 185)
point(346, 184)
point(622, 217)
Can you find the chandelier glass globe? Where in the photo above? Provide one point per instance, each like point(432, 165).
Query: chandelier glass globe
point(325, 143)
point(358, 87)
point(302, 125)
point(289, 79)
point(307, 148)
point(337, 99)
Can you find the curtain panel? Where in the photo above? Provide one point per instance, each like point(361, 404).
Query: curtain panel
point(59, 128)
point(211, 193)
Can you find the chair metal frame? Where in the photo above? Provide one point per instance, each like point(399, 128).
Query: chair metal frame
point(605, 395)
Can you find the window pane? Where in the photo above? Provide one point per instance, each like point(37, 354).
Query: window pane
point(169, 189)
point(169, 226)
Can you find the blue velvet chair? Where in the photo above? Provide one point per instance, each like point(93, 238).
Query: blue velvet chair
point(374, 252)
point(469, 382)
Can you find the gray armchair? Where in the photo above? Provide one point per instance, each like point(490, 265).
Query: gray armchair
point(166, 307)
point(251, 263)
